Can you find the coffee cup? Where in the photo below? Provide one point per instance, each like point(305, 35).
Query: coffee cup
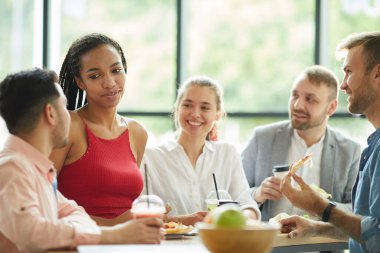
point(280, 171)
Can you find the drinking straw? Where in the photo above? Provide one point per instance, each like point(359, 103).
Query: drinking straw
point(216, 186)
point(146, 183)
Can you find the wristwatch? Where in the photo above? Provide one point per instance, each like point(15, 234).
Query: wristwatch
point(327, 211)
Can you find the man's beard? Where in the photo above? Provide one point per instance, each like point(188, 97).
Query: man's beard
point(308, 123)
point(59, 138)
point(360, 104)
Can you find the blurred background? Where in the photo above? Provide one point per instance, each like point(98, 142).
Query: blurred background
point(254, 48)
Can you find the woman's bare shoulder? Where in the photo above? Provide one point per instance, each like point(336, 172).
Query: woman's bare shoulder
point(76, 120)
point(135, 127)
point(138, 138)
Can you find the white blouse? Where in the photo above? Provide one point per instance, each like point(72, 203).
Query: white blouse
point(172, 177)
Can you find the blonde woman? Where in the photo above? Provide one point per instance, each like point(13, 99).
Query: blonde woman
point(180, 171)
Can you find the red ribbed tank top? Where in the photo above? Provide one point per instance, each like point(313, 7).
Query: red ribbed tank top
point(106, 179)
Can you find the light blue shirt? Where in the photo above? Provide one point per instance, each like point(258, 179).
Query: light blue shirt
point(366, 197)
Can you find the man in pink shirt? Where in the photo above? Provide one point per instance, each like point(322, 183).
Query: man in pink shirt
point(34, 216)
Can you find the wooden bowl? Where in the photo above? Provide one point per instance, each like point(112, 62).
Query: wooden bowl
point(252, 238)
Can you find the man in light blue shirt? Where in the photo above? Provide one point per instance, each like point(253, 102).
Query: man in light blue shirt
point(362, 85)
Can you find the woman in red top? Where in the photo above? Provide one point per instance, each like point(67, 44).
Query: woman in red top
point(99, 168)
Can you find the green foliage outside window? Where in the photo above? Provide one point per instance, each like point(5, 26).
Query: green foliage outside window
point(255, 49)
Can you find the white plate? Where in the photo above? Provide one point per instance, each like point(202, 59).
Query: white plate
point(173, 236)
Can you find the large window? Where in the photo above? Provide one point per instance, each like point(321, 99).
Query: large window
point(145, 30)
point(20, 36)
point(345, 17)
point(255, 49)
point(20, 40)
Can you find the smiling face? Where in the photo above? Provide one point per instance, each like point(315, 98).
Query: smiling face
point(102, 76)
point(310, 105)
point(356, 83)
point(197, 111)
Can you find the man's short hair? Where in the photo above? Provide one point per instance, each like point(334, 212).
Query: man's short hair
point(371, 47)
point(23, 96)
point(320, 75)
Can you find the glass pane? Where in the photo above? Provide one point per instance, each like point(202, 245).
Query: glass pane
point(254, 49)
point(146, 31)
point(159, 128)
point(346, 17)
point(21, 36)
point(238, 130)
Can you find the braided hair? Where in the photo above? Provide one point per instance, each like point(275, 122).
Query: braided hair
point(72, 64)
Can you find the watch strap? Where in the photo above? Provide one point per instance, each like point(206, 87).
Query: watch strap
point(327, 211)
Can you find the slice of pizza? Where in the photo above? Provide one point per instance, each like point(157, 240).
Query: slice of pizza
point(296, 165)
point(171, 227)
point(176, 228)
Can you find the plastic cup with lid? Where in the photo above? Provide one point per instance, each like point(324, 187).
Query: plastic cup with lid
point(212, 199)
point(147, 206)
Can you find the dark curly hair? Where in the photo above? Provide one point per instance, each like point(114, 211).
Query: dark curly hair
point(23, 96)
point(71, 66)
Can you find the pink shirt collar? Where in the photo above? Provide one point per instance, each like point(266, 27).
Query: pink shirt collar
point(18, 145)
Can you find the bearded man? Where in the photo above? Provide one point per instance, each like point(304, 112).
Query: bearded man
point(335, 157)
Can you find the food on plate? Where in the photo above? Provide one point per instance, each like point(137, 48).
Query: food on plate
point(176, 228)
point(227, 216)
point(278, 217)
point(296, 165)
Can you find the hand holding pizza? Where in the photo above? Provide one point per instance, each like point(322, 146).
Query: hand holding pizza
point(298, 164)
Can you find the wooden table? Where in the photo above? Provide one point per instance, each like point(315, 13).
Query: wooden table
point(283, 244)
point(194, 244)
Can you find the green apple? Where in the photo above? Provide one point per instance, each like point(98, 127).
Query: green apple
point(229, 216)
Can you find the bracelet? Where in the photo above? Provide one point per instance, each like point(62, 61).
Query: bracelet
point(327, 211)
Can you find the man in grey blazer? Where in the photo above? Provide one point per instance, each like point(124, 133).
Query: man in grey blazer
point(335, 161)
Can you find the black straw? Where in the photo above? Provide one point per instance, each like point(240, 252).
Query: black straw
point(216, 186)
point(146, 183)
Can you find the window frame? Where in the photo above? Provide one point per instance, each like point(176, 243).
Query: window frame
point(320, 53)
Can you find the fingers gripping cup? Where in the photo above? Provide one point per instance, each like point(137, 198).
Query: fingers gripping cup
point(280, 171)
point(147, 206)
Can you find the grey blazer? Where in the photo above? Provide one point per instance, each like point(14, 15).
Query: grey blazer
point(269, 145)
